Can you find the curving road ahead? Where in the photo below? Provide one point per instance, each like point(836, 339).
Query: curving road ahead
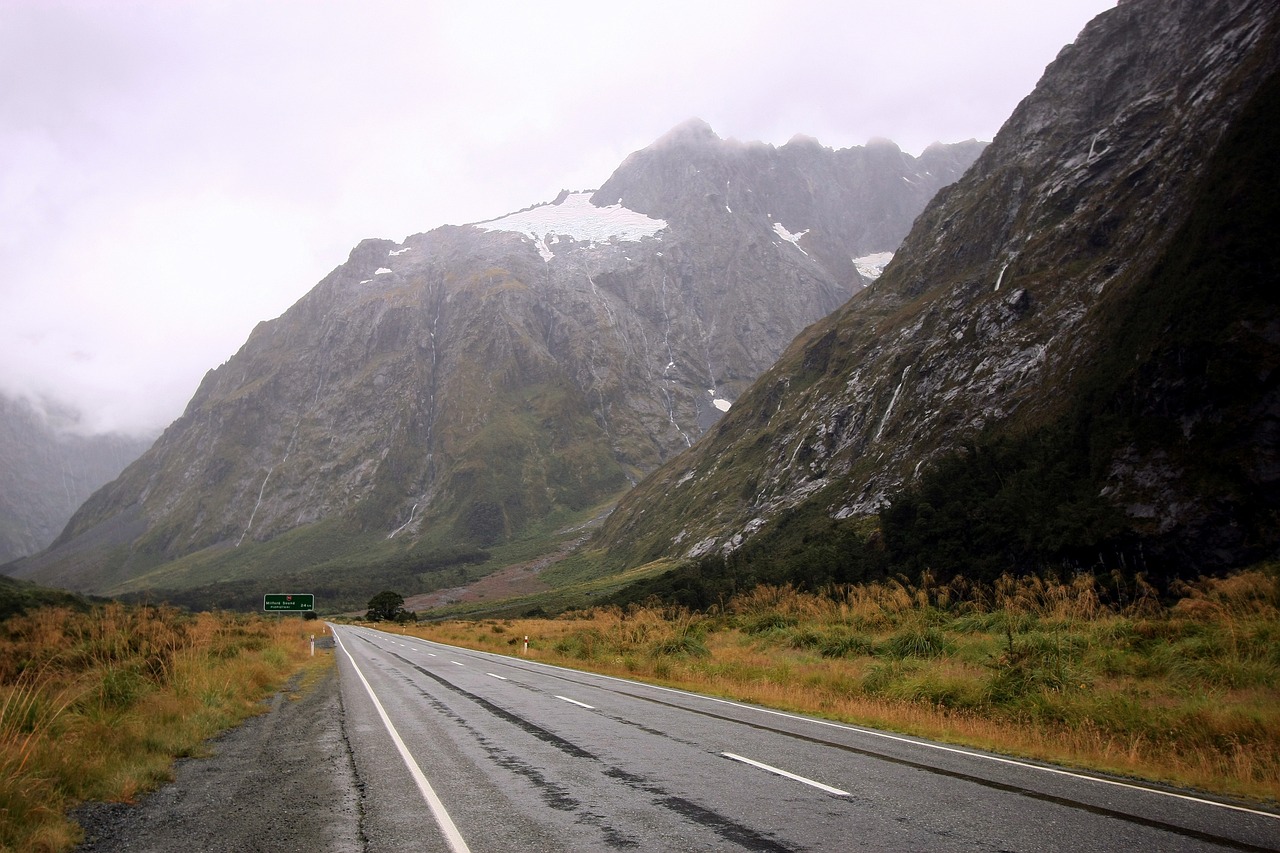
point(459, 750)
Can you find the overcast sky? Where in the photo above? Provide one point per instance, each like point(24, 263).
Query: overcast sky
point(173, 172)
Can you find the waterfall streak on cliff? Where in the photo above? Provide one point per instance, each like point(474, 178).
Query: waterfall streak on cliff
point(892, 401)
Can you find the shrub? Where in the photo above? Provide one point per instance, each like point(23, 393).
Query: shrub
point(681, 645)
point(882, 676)
point(916, 641)
point(839, 644)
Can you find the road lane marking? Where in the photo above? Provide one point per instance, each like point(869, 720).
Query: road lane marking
point(770, 769)
point(495, 675)
point(576, 702)
point(1057, 771)
point(446, 824)
point(455, 663)
point(1084, 777)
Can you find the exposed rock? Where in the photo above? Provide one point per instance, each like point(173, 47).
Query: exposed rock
point(997, 300)
point(477, 379)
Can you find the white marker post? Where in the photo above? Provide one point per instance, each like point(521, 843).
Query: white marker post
point(526, 645)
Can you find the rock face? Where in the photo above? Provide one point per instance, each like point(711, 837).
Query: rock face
point(1008, 293)
point(476, 380)
point(47, 471)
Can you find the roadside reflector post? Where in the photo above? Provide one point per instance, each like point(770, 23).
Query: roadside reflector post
point(526, 644)
point(313, 645)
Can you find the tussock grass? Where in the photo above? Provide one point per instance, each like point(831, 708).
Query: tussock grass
point(96, 705)
point(1090, 672)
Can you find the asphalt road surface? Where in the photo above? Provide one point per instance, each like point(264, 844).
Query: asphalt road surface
point(464, 750)
point(412, 745)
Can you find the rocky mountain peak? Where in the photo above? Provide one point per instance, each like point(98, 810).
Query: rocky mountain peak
point(1001, 300)
point(472, 382)
point(691, 132)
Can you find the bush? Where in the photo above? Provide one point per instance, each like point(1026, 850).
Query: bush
point(843, 645)
point(916, 641)
point(681, 645)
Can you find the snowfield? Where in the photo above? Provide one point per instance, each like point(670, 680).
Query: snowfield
point(870, 266)
point(793, 239)
point(577, 219)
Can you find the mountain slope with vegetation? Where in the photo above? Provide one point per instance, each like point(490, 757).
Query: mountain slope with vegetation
point(480, 384)
point(1071, 362)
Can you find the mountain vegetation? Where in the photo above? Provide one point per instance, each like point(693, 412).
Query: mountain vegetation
point(1071, 365)
point(481, 386)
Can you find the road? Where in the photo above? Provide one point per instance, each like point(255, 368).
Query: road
point(460, 750)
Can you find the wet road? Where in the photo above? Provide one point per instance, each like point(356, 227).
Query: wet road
point(460, 750)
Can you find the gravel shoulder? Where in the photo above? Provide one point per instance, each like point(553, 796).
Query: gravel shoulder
point(282, 781)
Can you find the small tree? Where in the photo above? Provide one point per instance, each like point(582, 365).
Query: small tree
point(386, 605)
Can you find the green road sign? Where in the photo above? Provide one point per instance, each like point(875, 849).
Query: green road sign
point(289, 601)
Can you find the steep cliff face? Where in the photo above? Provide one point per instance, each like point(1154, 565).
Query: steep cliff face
point(479, 379)
point(1003, 300)
point(47, 471)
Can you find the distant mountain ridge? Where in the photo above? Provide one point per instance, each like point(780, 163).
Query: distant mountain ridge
point(1029, 335)
point(478, 381)
point(47, 470)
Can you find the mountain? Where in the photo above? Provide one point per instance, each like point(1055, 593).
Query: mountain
point(1070, 362)
point(47, 470)
point(435, 397)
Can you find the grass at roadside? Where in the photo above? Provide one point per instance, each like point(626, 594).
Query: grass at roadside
point(1186, 693)
point(96, 705)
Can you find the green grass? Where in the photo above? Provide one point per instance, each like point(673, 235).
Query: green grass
point(344, 567)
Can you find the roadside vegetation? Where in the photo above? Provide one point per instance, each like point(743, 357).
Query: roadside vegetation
point(96, 702)
point(1100, 674)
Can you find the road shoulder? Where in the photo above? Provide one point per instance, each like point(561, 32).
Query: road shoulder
point(283, 780)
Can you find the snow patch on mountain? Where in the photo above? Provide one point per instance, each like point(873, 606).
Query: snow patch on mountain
point(793, 239)
point(578, 219)
point(870, 266)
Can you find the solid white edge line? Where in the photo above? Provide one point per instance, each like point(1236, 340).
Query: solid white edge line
point(576, 702)
point(769, 769)
point(446, 824)
point(1084, 777)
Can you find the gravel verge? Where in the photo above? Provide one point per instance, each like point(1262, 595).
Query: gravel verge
point(282, 781)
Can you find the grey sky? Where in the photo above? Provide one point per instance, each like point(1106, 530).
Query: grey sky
point(171, 173)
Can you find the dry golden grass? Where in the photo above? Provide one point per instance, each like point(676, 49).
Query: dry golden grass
point(1186, 693)
point(98, 705)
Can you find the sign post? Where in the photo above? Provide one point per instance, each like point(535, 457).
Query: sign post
point(290, 602)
